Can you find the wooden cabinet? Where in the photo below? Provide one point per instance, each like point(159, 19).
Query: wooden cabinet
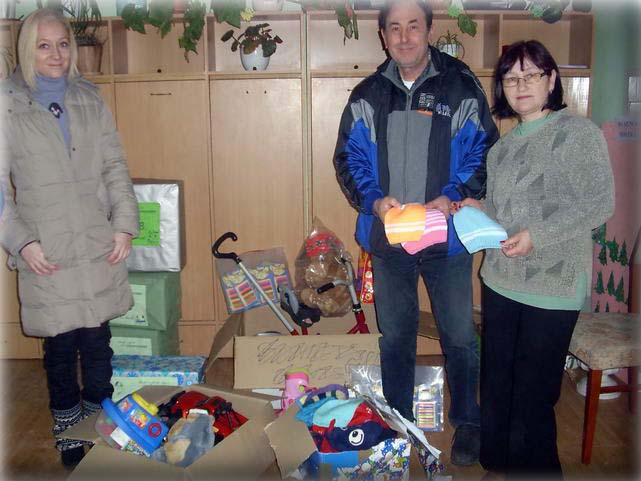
point(255, 149)
point(257, 165)
point(164, 127)
point(329, 204)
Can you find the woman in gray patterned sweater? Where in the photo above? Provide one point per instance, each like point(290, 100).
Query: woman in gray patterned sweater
point(549, 183)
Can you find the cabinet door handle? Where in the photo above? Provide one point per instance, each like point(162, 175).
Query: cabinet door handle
point(165, 93)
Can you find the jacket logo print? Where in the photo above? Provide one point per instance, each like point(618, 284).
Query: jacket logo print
point(443, 109)
point(426, 102)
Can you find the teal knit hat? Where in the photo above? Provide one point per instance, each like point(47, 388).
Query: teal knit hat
point(476, 230)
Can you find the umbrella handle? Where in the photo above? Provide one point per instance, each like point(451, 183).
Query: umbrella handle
point(225, 255)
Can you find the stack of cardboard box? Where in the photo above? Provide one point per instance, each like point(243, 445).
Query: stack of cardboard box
point(155, 262)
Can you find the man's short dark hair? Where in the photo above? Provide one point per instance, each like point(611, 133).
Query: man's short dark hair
point(384, 12)
point(540, 56)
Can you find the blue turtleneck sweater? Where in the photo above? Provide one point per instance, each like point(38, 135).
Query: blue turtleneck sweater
point(51, 91)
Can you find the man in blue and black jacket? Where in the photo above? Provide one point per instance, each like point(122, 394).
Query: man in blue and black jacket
point(417, 130)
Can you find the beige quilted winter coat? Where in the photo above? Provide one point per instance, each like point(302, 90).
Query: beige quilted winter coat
point(72, 201)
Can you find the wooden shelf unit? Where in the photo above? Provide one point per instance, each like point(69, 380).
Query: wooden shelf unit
point(255, 149)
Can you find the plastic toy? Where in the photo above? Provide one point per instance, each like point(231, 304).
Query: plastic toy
point(181, 404)
point(131, 425)
point(296, 384)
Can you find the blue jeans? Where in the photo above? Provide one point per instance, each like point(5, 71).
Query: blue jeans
point(449, 285)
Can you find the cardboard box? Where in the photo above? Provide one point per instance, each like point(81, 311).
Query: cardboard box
point(293, 445)
point(243, 455)
point(130, 373)
point(261, 361)
point(387, 460)
point(156, 301)
point(160, 246)
point(134, 341)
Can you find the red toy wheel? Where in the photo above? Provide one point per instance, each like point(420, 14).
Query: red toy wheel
point(154, 430)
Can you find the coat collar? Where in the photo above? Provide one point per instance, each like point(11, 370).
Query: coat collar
point(19, 88)
point(389, 69)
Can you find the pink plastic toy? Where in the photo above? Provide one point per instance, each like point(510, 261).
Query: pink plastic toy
point(296, 383)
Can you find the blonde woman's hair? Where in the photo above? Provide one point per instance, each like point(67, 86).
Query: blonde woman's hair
point(28, 39)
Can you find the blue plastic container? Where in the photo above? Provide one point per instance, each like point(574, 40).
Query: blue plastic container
point(131, 425)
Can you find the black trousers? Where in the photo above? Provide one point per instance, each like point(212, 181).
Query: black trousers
point(61, 364)
point(523, 351)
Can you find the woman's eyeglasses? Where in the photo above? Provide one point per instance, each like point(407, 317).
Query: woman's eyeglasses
point(529, 79)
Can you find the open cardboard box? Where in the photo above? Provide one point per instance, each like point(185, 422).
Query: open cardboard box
point(292, 443)
point(244, 454)
point(260, 361)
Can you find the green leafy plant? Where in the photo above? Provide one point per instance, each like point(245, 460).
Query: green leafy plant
point(456, 10)
point(231, 12)
point(344, 10)
point(160, 14)
point(549, 11)
point(253, 37)
point(85, 18)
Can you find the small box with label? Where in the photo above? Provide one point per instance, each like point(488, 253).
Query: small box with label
point(157, 298)
point(130, 373)
point(143, 342)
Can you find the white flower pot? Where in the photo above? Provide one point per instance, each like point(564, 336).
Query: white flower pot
point(254, 60)
point(267, 5)
point(451, 49)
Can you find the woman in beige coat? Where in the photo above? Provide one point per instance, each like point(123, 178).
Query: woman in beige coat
point(68, 229)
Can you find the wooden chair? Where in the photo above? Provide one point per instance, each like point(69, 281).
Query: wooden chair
point(606, 341)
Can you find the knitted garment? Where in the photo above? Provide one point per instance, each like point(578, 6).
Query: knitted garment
point(476, 230)
point(405, 223)
point(62, 420)
point(557, 183)
point(347, 425)
point(50, 93)
point(434, 232)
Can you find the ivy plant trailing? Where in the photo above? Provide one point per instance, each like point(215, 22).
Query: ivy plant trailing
point(160, 14)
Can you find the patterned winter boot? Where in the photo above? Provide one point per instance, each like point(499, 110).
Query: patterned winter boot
point(89, 408)
point(71, 450)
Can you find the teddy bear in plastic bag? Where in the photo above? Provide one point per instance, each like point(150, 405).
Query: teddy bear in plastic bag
point(318, 264)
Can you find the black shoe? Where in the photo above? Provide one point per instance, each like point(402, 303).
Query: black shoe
point(466, 445)
point(71, 457)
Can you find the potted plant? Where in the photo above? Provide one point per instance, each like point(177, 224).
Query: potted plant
point(450, 44)
point(344, 10)
point(256, 45)
point(85, 21)
point(160, 14)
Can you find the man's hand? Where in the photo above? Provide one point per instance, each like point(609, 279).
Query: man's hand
point(382, 205)
point(35, 259)
point(455, 206)
point(519, 245)
point(122, 247)
point(442, 203)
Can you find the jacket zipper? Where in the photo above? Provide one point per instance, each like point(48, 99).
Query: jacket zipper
point(408, 109)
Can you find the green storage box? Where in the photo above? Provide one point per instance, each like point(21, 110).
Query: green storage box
point(144, 342)
point(156, 301)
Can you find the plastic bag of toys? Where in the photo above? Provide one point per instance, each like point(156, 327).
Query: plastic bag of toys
point(319, 264)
